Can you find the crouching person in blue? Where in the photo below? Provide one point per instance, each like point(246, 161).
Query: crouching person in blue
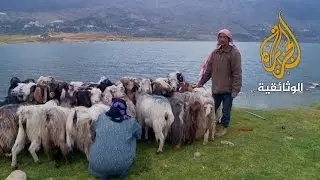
point(114, 148)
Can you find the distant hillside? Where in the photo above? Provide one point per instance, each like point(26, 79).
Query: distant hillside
point(249, 20)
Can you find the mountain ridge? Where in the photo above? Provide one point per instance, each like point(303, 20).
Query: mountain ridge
point(249, 20)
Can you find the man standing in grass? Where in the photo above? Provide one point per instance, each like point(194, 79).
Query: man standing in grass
point(224, 68)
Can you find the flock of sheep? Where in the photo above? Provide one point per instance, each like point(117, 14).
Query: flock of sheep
point(57, 116)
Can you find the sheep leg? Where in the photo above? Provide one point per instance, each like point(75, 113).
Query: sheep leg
point(146, 128)
point(17, 147)
point(165, 132)
point(213, 129)
point(34, 147)
point(65, 152)
point(206, 137)
point(146, 134)
point(69, 141)
point(86, 151)
point(160, 137)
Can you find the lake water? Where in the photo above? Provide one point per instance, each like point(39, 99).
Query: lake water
point(89, 61)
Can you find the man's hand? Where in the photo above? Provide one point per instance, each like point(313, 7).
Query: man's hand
point(196, 86)
point(234, 94)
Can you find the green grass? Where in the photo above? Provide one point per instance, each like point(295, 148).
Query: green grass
point(264, 153)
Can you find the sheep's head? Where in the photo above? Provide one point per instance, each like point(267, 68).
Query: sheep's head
point(173, 81)
point(45, 79)
point(15, 91)
point(82, 98)
point(42, 94)
point(95, 95)
point(116, 91)
point(121, 86)
point(145, 86)
point(75, 86)
point(209, 108)
point(131, 84)
point(185, 87)
point(56, 88)
point(24, 91)
point(180, 77)
point(161, 86)
point(107, 97)
point(103, 84)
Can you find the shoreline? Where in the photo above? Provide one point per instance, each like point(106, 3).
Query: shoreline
point(72, 38)
point(93, 37)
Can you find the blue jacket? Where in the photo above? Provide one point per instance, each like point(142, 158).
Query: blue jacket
point(114, 147)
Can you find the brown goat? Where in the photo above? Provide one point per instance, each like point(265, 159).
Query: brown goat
point(207, 116)
point(131, 85)
point(192, 121)
point(162, 87)
point(42, 93)
point(186, 113)
point(177, 128)
point(185, 87)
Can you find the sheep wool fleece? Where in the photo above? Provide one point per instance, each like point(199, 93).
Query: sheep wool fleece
point(114, 148)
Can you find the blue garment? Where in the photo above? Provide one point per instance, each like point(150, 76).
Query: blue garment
point(114, 147)
point(226, 99)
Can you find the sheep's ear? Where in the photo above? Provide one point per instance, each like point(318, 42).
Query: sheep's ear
point(135, 87)
point(89, 93)
point(45, 94)
point(71, 86)
point(123, 81)
point(153, 83)
point(33, 88)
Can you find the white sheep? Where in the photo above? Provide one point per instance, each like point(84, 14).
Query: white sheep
point(54, 135)
point(31, 127)
point(208, 115)
point(173, 80)
point(96, 95)
point(24, 91)
point(206, 93)
point(79, 124)
point(153, 111)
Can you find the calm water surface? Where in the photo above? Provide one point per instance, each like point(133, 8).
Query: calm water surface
point(90, 61)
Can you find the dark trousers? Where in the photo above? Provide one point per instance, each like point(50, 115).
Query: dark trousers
point(226, 100)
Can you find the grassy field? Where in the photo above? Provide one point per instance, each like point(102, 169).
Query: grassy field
point(284, 146)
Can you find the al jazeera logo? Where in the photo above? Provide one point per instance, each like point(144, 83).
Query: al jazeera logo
point(280, 52)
